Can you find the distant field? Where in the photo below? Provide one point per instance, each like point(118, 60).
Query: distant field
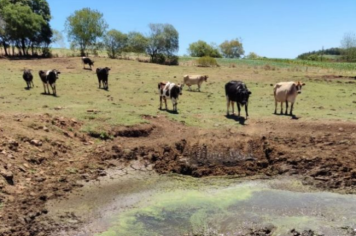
point(133, 91)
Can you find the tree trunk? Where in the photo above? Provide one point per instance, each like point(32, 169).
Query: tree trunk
point(5, 49)
point(23, 46)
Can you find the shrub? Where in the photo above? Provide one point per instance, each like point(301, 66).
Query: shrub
point(207, 62)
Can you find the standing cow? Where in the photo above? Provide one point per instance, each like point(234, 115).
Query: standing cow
point(286, 92)
point(103, 76)
point(171, 90)
point(190, 80)
point(236, 91)
point(49, 78)
point(28, 77)
point(87, 60)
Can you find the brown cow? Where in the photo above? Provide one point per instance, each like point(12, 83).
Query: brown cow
point(190, 80)
point(286, 92)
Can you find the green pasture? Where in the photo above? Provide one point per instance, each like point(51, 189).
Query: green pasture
point(133, 92)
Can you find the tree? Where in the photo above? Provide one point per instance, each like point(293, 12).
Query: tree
point(115, 43)
point(232, 49)
point(21, 24)
point(57, 38)
point(348, 43)
point(163, 40)
point(252, 56)
point(136, 42)
point(201, 49)
point(85, 28)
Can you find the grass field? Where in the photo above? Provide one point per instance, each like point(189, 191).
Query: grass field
point(133, 91)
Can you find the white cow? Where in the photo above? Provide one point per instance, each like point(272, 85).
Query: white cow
point(190, 80)
point(171, 90)
point(286, 92)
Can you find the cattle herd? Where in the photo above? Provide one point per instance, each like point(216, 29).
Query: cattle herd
point(235, 91)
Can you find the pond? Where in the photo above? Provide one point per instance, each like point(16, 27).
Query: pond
point(132, 202)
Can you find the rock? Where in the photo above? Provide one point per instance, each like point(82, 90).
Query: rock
point(36, 142)
point(45, 129)
point(8, 175)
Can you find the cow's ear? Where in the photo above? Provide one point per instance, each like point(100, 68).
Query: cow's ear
point(303, 84)
point(249, 92)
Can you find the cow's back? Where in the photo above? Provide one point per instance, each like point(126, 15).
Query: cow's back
point(284, 91)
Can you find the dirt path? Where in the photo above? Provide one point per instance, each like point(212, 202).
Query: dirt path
point(43, 157)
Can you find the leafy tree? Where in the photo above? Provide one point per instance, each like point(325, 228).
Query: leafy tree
point(137, 42)
point(232, 49)
point(163, 41)
point(57, 38)
point(252, 56)
point(201, 49)
point(85, 27)
point(21, 24)
point(115, 43)
point(348, 43)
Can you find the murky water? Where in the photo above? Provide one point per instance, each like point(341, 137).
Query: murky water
point(142, 203)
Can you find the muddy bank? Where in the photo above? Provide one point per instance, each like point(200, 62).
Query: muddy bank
point(43, 158)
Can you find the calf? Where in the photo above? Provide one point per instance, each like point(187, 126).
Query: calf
point(286, 92)
point(103, 76)
point(28, 77)
point(236, 91)
point(171, 90)
point(190, 80)
point(49, 78)
point(87, 60)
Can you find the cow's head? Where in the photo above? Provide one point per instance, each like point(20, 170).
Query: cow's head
point(298, 86)
point(205, 78)
point(180, 86)
point(55, 73)
point(107, 69)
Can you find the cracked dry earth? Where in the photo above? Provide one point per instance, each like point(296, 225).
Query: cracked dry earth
point(42, 157)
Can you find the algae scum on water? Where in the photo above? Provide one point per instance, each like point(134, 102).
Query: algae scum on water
point(186, 206)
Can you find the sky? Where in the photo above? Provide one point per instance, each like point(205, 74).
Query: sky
point(269, 28)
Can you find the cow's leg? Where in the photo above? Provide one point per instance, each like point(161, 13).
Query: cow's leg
point(189, 88)
point(291, 108)
point(99, 83)
point(275, 106)
point(286, 108)
point(165, 102)
point(246, 110)
point(232, 107)
point(238, 108)
point(44, 87)
point(281, 108)
point(228, 104)
point(160, 102)
point(53, 86)
point(199, 87)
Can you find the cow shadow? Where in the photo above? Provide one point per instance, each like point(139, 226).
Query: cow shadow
point(170, 111)
point(294, 117)
point(87, 69)
point(239, 119)
point(49, 94)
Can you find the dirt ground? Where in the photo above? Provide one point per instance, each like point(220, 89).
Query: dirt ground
point(42, 157)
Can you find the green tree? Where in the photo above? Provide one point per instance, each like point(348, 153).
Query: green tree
point(348, 43)
point(163, 41)
point(115, 43)
point(137, 42)
point(21, 24)
point(252, 56)
point(85, 28)
point(232, 49)
point(201, 49)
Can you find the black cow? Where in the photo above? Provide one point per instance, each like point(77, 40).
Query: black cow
point(171, 90)
point(49, 78)
point(87, 60)
point(103, 76)
point(236, 91)
point(28, 77)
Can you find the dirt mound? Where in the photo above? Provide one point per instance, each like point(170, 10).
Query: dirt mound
point(43, 157)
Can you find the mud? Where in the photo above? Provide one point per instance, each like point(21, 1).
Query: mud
point(43, 157)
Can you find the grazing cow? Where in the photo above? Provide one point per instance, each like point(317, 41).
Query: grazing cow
point(236, 91)
point(195, 79)
point(49, 78)
point(103, 76)
point(286, 92)
point(171, 90)
point(87, 60)
point(28, 77)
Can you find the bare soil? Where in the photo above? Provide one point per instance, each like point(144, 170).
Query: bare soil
point(43, 157)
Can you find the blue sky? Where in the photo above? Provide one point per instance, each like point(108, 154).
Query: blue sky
point(270, 28)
